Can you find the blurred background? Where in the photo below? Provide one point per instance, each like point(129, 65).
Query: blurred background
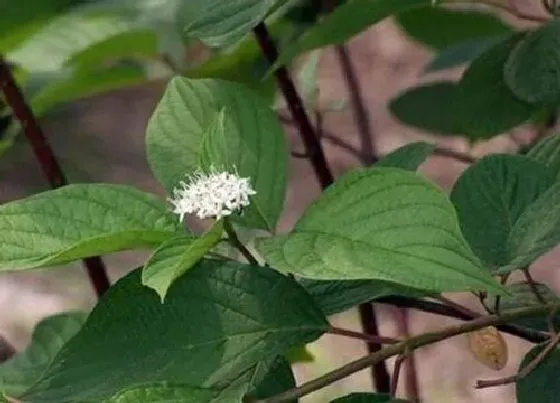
point(93, 72)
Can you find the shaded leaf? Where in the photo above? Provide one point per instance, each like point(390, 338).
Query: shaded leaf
point(485, 105)
point(338, 296)
point(77, 221)
point(219, 23)
point(428, 107)
point(174, 257)
point(384, 224)
point(25, 368)
point(409, 156)
point(491, 196)
point(537, 231)
point(536, 82)
point(427, 24)
point(278, 377)
point(219, 320)
point(547, 152)
point(461, 52)
point(540, 385)
point(251, 139)
point(343, 23)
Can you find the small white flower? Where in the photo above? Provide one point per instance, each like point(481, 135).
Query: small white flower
point(211, 195)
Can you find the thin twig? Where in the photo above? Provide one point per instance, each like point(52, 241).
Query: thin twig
point(402, 348)
point(533, 286)
point(533, 336)
point(457, 155)
point(503, 7)
point(458, 307)
point(526, 370)
point(362, 336)
point(237, 244)
point(47, 160)
point(312, 144)
point(411, 385)
point(396, 374)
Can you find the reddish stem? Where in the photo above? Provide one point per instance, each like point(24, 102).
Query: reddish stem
point(47, 160)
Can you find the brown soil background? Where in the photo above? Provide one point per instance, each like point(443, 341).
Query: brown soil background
point(102, 140)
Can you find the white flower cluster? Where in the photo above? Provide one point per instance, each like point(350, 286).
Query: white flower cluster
point(211, 195)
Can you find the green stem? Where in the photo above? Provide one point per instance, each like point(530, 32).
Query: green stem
point(236, 243)
point(406, 346)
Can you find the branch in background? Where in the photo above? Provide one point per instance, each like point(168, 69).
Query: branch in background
point(46, 158)
point(7, 351)
point(311, 142)
point(404, 348)
point(362, 336)
point(533, 336)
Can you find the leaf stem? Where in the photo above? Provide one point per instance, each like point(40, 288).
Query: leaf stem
point(44, 154)
point(370, 338)
point(530, 367)
point(533, 286)
point(236, 243)
point(406, 346)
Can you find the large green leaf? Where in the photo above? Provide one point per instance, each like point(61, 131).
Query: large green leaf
point(24, 369)
point(251, 139)
point(364, 397)
point(540, 385)
point(537, 231)
point(522, 295)
point(484, 103)
point(385, 224)
point(174, 257)
point(429, 107)
point(270, 377)
point(547, 152)
point(219, 320)
point(343, 23)
point(461, 53)
point(53, 46)
point(533, 69)
point(77, 221)
point(218, 23)
point(72, 85)
point(491, 196)
point(409, 156)
point(338, 296)
point(440, 28)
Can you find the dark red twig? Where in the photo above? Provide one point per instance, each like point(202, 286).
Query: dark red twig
point(312, 144)
point(47, 160)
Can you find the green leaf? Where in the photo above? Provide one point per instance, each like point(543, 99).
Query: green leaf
point(166, 393)
point(277, 379)
point(537, 231)
point(300, 354)
point(409, 156)
point(251, 138)
point(343, 23)
point(218, 23)
point(523, 296)
point(364, 397)
point(25, 368)
point(218, 321)
point(384, 224)
point(74, 85)
point(429, 107)
point(78, 221)
point(174, 257)
point(547, 152)
point(338, 296)
point(533, 69)
point(491, 196)
point(135, 43)
point(461, 53)
point(541, 384)
point(427, 24)
point(484, 104)
point(54, 45)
